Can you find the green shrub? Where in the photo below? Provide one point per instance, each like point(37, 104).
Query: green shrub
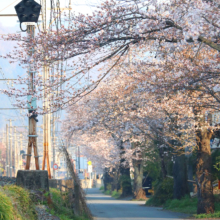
point(125, 181)
point(107, 192)
point(163, 192)
point(116, 194)
point(109, 186)
point(101, 188)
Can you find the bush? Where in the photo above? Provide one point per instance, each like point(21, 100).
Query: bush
point(116, 194)
point(107, 192)
point(163, 192)
point(101, 188)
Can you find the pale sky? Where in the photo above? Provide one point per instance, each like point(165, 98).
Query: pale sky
point(11, 25)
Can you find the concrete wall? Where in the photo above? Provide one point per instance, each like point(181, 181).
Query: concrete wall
point(33, 179)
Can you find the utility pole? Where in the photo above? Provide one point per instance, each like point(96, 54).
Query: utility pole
point(32, 137)
point(7, 151)
point(53, 136)
point(9, 146)
point(15, 152)
point(46, 117)
point(19, 154)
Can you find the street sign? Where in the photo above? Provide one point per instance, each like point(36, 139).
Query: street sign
point(90, 169)
point(55, 166)
point(89, 162)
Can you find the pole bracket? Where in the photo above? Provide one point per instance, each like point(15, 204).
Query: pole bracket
point(37, 156)
point(32, 135)
point(27, 155)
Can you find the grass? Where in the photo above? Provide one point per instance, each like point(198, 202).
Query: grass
point(16, 204)
point(6, 207)
point(188, 205)
point(61, 206)
point(185, 205)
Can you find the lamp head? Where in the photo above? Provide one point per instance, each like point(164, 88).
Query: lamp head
point(28, 11)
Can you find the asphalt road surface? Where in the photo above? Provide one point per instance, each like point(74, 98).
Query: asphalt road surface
point(104, 207)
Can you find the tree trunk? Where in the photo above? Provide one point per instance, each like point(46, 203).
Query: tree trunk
point(189, 172)
point(106, 179)
point(125, 179)
point(162, 162)
point(203, 167)
point(139, 193)
point(180, 188)
point(115, 182)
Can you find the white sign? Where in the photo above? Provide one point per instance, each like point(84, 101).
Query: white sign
point(89, 168)
point(29, 23)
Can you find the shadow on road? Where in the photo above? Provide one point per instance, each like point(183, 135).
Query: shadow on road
point(104, 207)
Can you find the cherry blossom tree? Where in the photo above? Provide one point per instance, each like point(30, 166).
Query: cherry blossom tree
point(184, 38)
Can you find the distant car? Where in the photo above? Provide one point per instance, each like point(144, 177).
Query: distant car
point(147, 184)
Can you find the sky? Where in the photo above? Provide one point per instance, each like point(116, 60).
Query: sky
point(11, 25)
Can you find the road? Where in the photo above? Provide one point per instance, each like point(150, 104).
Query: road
point(104, 207)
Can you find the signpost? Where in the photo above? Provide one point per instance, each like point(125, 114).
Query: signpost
point(90, 174)
point(55, 166)
point(90, 169)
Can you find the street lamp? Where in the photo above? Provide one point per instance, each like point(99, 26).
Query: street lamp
point(28, 11)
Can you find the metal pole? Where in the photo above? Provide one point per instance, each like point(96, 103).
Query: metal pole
point(32, 137)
